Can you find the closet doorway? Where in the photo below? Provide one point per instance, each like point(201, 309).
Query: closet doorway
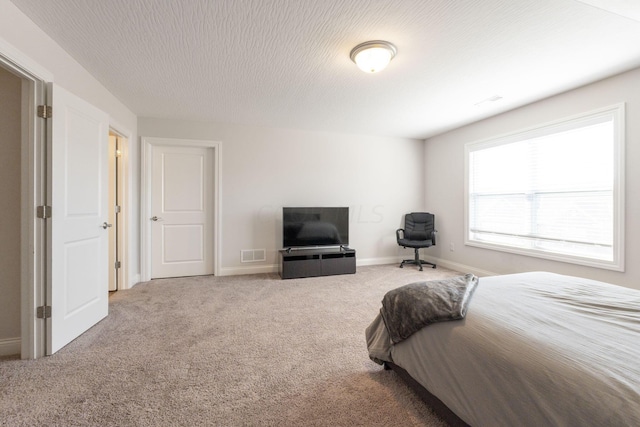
point(118, 147)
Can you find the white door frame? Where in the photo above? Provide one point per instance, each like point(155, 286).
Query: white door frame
point(124, 232)
point(33, 194)
point(148, 143)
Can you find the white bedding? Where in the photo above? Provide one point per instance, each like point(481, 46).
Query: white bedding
point(535, 349)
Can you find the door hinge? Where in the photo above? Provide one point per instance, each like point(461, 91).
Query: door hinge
point(43, 312)
point(118, 209)
point(45, 111)
point(118, 264)
point(43, 212)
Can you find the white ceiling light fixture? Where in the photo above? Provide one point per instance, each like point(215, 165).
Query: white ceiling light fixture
point(373, 56)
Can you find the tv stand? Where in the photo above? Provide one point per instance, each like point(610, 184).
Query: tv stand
point(317, 262)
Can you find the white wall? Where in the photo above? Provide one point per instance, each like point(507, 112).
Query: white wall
point(264, 169)
point(21, 33)
point(444, 175)
point(10, 128)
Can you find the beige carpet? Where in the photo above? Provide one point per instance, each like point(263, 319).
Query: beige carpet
point(224, 351)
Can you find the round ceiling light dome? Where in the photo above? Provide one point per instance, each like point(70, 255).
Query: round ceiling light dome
point(373, 56)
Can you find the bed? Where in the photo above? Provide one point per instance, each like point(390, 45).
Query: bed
point(533, 349)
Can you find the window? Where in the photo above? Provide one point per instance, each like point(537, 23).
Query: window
point(555, 191)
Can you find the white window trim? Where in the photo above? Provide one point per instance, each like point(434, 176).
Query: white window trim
point(618, 112)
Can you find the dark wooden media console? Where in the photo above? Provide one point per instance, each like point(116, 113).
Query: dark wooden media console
point(316, 262)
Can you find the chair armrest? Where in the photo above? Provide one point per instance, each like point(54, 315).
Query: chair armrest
point(398, 237)
point(433, 237)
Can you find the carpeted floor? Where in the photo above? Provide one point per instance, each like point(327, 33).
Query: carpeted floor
point(224, 351)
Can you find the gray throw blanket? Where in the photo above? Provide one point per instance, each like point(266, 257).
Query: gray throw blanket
point(409, 308)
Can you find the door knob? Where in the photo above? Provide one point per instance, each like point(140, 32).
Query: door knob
point(155, 218)
point(105, 225)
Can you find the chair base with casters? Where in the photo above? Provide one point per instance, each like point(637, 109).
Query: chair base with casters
point(418, 232)
point(417, 261)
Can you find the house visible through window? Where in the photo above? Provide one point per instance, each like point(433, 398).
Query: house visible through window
point(555, 191)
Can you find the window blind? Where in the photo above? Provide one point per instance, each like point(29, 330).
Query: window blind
point(549, 190)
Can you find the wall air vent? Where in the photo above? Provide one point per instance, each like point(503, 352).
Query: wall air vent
point(253, 255)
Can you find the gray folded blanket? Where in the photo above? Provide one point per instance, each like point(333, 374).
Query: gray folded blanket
point(409, 308)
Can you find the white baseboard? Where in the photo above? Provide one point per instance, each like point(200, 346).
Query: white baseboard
point(10, 346)
point(378, 261)
point(438, 261)
point(460, 267)
point(273, 268)
point(256, 269)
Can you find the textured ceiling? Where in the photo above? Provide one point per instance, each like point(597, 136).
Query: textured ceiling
point(285, 63)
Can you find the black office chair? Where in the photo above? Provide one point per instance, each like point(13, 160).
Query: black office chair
point(418, 232)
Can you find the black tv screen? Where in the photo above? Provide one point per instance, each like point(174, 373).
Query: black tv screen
point(305, 227)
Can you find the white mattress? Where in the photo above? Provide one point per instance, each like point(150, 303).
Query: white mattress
point(535, 349)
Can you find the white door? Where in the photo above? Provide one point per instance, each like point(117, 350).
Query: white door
point(182, 195)
point(78, 184)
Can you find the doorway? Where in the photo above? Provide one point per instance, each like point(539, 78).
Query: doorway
point(118, 147)
point(27, 187)
point(180, 207)
point(10, 215)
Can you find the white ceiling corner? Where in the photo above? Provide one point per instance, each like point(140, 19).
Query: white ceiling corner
point(285, 63)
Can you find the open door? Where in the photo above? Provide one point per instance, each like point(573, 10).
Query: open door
point(77, 285)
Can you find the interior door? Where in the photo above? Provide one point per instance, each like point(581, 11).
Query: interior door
point(78, 184)
point(182, 211)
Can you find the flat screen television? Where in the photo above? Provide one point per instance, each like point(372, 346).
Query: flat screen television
point(314, 227)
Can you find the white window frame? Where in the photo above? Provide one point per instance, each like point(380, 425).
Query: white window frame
point(616, 111)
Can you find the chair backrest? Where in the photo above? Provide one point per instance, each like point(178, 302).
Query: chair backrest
point(418, 225)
